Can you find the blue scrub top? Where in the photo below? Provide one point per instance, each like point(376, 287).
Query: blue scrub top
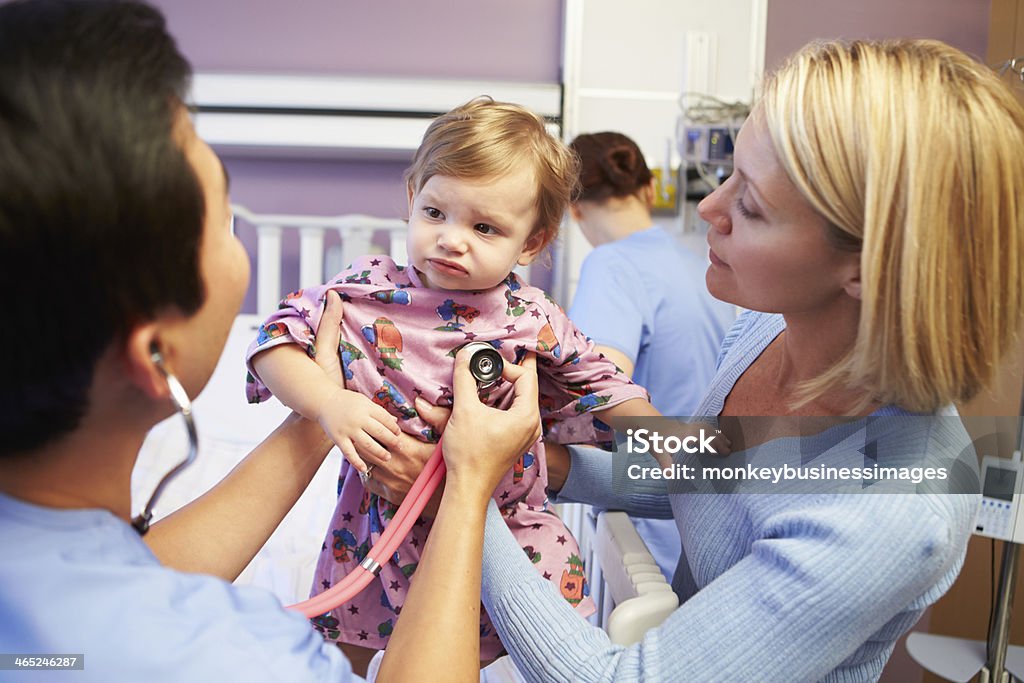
point(82, 581)
point(645, 296)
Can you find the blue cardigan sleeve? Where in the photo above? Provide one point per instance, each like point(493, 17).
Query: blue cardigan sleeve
point(824, 573)
point(590, 481)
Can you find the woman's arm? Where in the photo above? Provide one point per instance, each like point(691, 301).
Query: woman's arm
point(222, 530)
point(582, 474)
point(824, 575)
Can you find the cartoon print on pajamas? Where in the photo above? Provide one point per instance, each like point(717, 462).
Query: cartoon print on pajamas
point(574, 585)
point(271, 331)
point(378, 323)
point(456, 316)
point(547, 341)
point(391, 296)
point(524, 463)
point(385, 336)
point(348, 353)
point(514, 306)
point(344, 541)
point(391, 400)
point(362, 278)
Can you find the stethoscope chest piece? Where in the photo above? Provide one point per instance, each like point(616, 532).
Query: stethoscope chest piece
point(485, 363)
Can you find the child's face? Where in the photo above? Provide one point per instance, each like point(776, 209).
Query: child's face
point(469, 234)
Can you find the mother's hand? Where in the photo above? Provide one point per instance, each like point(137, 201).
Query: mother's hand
point(393, 480)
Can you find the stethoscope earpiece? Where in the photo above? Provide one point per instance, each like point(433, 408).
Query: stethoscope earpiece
point(181, 401)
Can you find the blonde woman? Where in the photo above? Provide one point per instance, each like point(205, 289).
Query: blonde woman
point(873, 231)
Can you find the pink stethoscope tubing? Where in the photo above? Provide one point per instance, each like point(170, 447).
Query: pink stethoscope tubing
point(408, 512)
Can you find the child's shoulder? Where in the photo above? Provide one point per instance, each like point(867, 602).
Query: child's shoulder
point(373, 269)
point(518, 290)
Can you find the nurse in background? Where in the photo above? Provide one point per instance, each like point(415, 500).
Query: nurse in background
point(642, 297)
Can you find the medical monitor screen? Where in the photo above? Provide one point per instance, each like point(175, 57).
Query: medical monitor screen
point(999, 483)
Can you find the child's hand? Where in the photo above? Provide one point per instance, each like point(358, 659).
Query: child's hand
point(361, 429)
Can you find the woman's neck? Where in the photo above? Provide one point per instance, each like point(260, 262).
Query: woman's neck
point(613, 219)
point(811, 345)
point(814, 343)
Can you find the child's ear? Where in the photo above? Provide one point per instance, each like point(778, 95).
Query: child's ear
point(535, 243)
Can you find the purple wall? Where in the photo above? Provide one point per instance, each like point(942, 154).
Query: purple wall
point(467, 39)
point(486, 39)
point(792, 23)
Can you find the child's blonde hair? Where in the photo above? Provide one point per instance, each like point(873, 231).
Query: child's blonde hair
point(914, 153)
point(483, 139)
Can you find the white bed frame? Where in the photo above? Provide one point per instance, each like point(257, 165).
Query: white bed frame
point(631, 593)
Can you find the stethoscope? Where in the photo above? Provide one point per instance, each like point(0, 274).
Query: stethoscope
point(485, 364)
point(181, 401)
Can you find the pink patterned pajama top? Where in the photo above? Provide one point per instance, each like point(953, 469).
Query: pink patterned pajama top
point(399, 341)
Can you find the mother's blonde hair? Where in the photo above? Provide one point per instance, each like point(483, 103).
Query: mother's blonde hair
point(914, 153)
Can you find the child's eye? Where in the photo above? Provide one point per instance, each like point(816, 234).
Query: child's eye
point(433, 213)
point(485, 229)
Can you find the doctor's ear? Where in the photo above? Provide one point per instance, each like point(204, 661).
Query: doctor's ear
point(142, 353)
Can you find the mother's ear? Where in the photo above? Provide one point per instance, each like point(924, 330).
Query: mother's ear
point(851, 280)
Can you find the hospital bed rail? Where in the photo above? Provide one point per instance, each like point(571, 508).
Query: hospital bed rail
point(357, 232)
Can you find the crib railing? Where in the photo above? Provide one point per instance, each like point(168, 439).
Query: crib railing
point(357, 233)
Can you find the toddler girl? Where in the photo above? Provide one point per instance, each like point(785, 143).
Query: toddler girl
point(487, 190)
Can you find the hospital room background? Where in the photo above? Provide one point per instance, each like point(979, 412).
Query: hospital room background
point(316, 106)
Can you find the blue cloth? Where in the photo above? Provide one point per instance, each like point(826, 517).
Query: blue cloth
point(645, 295)
point(82, 581)
point(775, 587)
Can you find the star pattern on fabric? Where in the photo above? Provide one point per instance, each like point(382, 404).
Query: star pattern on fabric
point(325, 584)
point(353, 610)
point(536, 527)
point(535, 313)
point(375, 262)
point(347, 516)
point(394, 585)
point(504, 495)
point(547, 576)
point(415, 543)
point(470, 336)
point(561, 540)
point(363, 635)
point(304, 313)
point(510, 328)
